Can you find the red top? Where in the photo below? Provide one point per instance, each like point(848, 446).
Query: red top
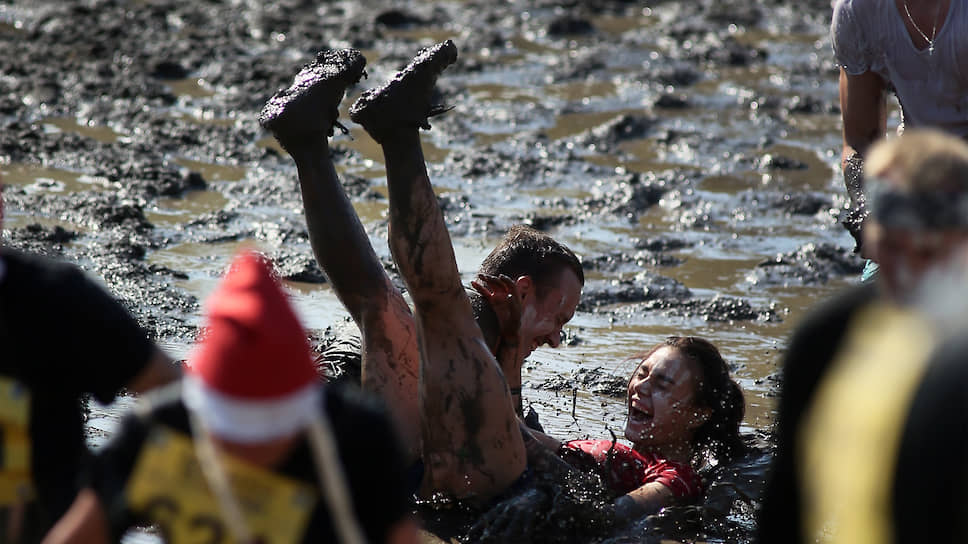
point(625, 469)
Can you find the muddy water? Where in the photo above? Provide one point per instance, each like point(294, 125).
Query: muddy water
point(683, 142)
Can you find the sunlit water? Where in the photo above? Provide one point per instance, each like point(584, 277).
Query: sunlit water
point(719, 262)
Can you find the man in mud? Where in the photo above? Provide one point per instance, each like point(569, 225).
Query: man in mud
point(100, 349)
point(452, 401)
point(918, 196)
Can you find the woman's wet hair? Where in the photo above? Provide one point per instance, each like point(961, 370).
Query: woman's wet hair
point(525, 251)
point(719, 436)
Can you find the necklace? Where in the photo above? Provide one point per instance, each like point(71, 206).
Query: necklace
point(934, 29)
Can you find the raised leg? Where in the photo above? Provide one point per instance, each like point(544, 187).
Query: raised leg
point(301, 117)
point(472, 446)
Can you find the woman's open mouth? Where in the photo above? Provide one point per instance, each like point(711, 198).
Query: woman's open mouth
point(638, 415)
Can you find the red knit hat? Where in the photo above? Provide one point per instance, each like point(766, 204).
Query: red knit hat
point(252, 377)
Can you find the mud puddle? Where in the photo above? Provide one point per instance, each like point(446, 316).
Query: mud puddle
point(687, 150)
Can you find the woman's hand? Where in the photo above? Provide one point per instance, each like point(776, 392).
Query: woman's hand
point(505, 299)
point(501, 292)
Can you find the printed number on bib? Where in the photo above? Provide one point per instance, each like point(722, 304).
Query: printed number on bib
point(168, 487)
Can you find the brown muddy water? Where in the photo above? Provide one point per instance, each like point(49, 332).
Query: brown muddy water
point(688, 151)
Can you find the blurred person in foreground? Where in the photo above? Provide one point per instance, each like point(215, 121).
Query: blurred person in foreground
point(917, 188)
point(249, 446)
point(100, 350)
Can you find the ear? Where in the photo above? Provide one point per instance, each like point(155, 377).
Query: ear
point(699, 417)
point(525, 285)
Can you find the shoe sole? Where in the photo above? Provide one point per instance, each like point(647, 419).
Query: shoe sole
point(310, 105)
point(404, 101)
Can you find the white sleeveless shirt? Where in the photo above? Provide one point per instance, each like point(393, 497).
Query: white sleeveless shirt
point(869, 35)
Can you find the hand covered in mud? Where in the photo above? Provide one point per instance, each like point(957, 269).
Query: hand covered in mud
point(505, 299)
point(513, 520)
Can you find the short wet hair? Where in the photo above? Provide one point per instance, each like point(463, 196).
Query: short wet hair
point(525, 251)
point(921, 160)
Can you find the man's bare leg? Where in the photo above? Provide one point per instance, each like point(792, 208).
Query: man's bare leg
point(472, 446)
point(301, 118)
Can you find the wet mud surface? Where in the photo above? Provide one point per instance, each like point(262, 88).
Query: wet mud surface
point(688, 151)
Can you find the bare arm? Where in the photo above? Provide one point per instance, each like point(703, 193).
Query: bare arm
point(648, 499)
point(84, 523)
point(863, 107)
point(405, 531)
point(159, 371)
point(550, 442)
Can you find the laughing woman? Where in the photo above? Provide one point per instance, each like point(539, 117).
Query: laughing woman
point(684, 410)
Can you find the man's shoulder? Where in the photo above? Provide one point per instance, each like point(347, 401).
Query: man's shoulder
point(30, 266)
point(817, 337)
point(841, 306)
point(870, 17)
point(861, 8)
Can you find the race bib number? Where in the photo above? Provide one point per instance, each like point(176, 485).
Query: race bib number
point(15, 479)
point(169, 488)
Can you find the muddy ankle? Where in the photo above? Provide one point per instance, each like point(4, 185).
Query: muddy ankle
point(307, 110)
point(406, 102)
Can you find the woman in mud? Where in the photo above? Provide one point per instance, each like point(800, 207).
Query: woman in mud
point(684, 410)
point(471, 445)
point(682, 406)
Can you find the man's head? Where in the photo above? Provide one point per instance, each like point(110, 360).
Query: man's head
point(918, 195)
point(549, 277)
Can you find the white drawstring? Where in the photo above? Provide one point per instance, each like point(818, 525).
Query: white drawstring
point(333, 481)
point(218, 481)
point(328, 468)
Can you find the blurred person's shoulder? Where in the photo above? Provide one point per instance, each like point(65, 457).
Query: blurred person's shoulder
point(20, 265)
point(837, 310)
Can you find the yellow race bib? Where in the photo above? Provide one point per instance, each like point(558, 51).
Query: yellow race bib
point(15, 479)
point(168, 487)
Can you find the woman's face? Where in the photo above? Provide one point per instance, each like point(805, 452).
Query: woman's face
point(662, 411)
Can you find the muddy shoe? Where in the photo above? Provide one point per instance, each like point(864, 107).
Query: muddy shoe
point(405, 100)
point(308, 109)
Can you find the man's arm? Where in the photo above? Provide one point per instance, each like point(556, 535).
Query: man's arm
point(863, 106)
point(863, 109)
point(86, 522)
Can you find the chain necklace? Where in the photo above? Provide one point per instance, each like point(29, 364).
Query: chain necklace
point(934, 29)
